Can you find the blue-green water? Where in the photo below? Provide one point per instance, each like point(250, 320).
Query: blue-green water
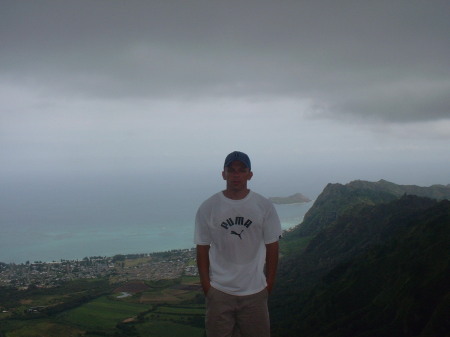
point(53, 223)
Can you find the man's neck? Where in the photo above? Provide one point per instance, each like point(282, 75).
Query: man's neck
point(236, 195)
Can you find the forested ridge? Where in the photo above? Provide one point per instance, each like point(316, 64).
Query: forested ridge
point(370, 259)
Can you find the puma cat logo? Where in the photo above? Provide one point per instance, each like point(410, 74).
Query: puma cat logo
point(238, 234)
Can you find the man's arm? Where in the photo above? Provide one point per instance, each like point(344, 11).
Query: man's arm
point(203, 266)
point(271, 264)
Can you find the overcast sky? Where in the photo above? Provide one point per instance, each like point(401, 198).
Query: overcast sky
point(314, 91)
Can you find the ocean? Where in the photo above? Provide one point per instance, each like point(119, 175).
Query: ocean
point(51, 222)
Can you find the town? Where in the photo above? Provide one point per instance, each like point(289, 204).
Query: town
point(119, 268)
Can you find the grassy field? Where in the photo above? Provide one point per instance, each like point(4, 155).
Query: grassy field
point(103, 313)
point(165, 296)
point(45, 329)
point(173, 320)
point(167, 308)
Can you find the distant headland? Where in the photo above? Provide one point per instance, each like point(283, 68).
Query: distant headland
point(293, 199)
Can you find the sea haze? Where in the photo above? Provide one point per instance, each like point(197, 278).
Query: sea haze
point(49, 220)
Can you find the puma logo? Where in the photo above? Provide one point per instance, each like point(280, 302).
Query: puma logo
point(238, 234)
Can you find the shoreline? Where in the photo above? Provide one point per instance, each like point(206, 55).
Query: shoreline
point(85, 245)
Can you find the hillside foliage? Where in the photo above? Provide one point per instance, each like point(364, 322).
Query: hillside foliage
point(376, 263)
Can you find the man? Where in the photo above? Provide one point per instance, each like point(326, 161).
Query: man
point(237, 233)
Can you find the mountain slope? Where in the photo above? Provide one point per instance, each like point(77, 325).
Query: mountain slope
point(336, 199)
point(378, 269)
point(400, 288)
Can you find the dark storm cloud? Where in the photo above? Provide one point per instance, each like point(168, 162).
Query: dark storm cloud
point(385, 60)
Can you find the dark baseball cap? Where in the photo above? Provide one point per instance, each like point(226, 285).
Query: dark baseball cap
point(240, 156)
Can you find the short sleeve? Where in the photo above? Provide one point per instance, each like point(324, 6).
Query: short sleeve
point(202, 234)
point(272, 225)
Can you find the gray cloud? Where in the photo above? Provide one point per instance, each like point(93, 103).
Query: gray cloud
point(385, 60)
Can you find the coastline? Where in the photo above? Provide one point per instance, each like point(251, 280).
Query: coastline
point(56, 245)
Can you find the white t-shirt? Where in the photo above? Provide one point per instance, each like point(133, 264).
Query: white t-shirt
point(237, 231)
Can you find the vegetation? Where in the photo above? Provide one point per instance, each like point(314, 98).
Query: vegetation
point(93, 308)
point(336, 200)
point(380, 266)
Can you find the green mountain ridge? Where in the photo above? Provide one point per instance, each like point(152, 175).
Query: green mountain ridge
point(379, 265)
point(336, 199)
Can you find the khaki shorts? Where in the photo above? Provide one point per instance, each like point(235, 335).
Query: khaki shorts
point(237, 316)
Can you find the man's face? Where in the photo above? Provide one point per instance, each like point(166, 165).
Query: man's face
point(237, 175)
